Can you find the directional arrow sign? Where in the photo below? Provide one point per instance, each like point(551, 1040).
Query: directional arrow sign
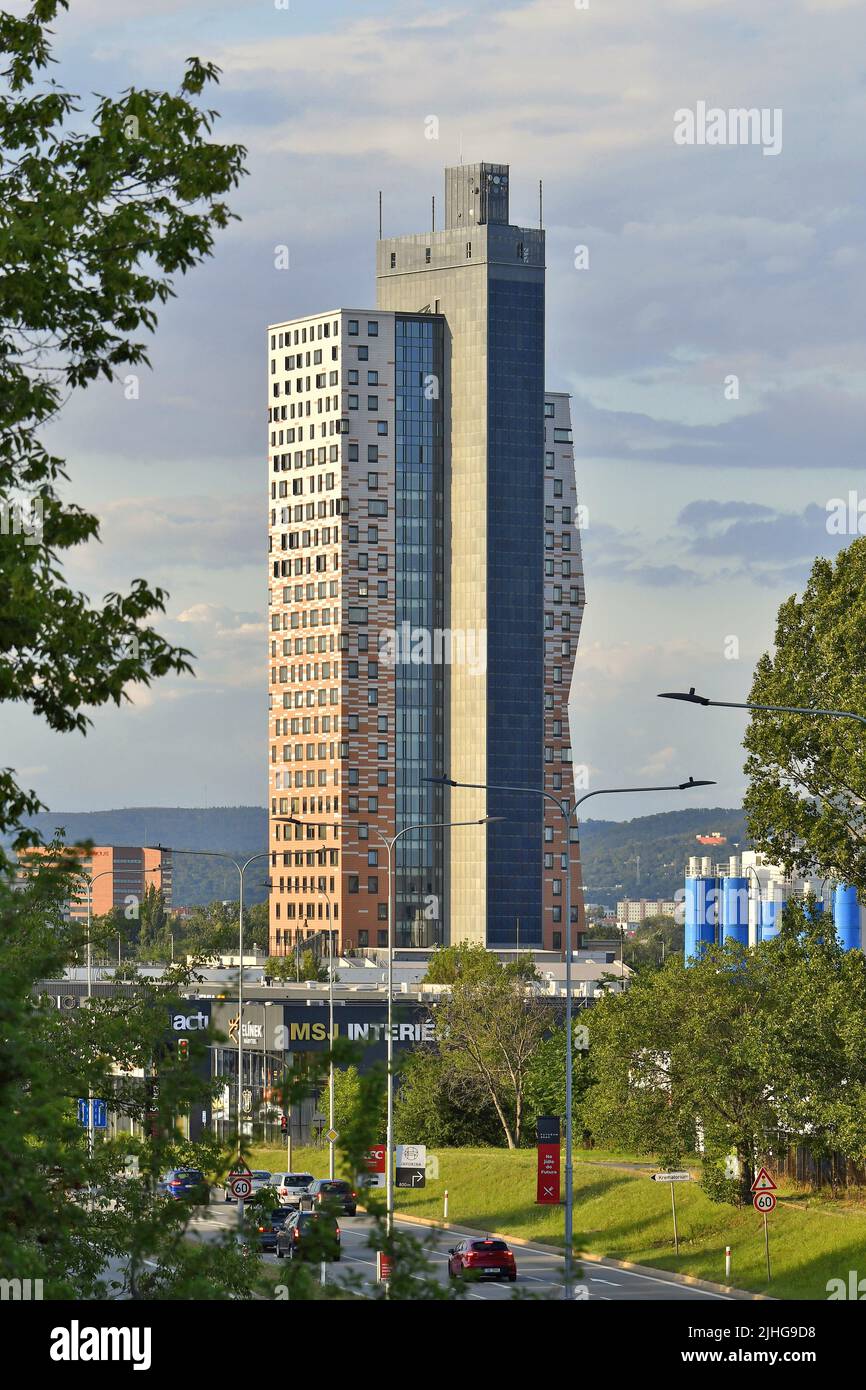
point(763, 1182)
point(671, 1177)
point(411, 1177)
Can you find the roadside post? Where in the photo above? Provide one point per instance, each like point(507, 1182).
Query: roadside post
point(445, 1206)
point(727, 1264)
point(673, 1179)
point(764, 1201)
point(241, 1186)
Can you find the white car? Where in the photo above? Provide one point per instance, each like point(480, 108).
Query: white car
point(291, 1187)
point(260, 1178)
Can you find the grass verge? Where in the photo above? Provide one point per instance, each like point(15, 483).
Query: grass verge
point(625, 1215)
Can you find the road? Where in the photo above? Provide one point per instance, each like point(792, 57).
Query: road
point(538, 1273)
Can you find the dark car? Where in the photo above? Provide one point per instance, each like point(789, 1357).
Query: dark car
point(482, 1259)
point(309, 1235)
point(188, 1183)
point(268, 1226)
point(330, 1192)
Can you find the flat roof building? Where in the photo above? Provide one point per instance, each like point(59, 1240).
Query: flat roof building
point(426, 592)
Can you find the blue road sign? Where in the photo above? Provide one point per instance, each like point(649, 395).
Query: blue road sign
point(100, 1113)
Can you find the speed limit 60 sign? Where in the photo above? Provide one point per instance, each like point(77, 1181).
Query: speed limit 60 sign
point(764, 1201)
point(241, 1185)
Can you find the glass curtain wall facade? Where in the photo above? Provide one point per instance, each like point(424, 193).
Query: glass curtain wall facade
point(419, 679)
point(515, 600)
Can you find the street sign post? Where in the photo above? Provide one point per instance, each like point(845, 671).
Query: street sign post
point(100, 1114)
point(680, 1175)
point(763, 1201)
point(411, 1165)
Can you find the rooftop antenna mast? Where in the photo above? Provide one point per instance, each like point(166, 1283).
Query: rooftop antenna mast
point(540, 205)
point(433, 212)
point(380, 214)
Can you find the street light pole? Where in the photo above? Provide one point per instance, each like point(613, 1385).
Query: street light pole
point(89, 880)
point(389, 842)
point(567, 812)
point(241, 868)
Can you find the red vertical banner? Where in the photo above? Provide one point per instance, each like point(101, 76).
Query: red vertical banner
point(375, 1164)
point(547, 1138)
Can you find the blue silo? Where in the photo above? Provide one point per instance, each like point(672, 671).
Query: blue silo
point(700, 916)
point(735, 910)
point(770, 920)
point(846, 917)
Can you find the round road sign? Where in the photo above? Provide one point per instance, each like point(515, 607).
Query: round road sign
point(764, 1202)
point(241, 1185)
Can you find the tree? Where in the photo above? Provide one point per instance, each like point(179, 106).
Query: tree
point(545, 1078)
point(95, 224)
point(468, 960)
point(153, 923)
point(748, 1049)
point(488, 1030)
point(806, 800)
point(435, 1105)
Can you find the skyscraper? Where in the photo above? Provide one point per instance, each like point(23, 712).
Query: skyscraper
point(439, 527)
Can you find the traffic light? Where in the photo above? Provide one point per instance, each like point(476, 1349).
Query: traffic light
point(183, 1049)
point(284, 1123)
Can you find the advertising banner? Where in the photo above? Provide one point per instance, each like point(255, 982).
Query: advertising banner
point(548, 1137)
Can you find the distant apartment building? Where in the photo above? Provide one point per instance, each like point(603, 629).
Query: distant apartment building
point(633, 911)
point(118, 876)
point(426, 593)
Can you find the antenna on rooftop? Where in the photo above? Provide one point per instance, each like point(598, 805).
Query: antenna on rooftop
point(540, 205)
point(380, 214)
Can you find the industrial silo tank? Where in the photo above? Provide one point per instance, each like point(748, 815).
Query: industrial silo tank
point(770, 920)
point(734, 917)
point(846, 917)
point(700, 916)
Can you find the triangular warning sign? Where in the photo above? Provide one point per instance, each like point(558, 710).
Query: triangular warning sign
point(763, 1182)
point(239, 1168)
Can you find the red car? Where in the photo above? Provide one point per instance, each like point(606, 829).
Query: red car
point(485, 1258)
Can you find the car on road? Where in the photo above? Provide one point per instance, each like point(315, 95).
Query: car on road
point(259, 1178)
point(291, 1187)
point(183, 1183)
point(309, 1235)
point(333, 1193)
point(268, 1226)
point(482, 1258)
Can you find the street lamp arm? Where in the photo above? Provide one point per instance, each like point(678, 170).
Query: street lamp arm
point(674, 787)
point(692, 699)
point(493, 787)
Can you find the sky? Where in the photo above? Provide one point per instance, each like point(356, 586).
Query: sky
point(710, 336)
